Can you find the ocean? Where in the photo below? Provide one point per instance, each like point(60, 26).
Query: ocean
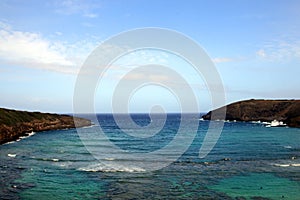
point(249, 161)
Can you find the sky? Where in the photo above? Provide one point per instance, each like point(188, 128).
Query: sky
point(255, 46)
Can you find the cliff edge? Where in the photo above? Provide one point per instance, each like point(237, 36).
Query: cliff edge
point(287, 111)
point(14, 124)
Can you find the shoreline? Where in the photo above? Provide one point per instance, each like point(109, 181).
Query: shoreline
point(29, 134)
point(285, 111)
point(16, 124)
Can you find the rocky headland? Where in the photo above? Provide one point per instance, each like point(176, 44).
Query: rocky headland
point(287, 111)
point(14, 124)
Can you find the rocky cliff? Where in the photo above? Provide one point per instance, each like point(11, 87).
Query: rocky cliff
point(14, 124)
point(287, 111)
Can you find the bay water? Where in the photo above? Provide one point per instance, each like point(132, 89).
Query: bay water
point(249, 161)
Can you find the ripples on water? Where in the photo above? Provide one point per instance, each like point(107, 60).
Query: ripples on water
point(249, 161)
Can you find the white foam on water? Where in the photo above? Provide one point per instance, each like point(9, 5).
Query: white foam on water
point(22, 137)
point(288, 165)
point(110, 168)
point(93, 125)
point(110, 159)
point(256, 122)
point(287, 147)
point(62, 164)
point(28, 135)
point(265, 122)
point(9, 142)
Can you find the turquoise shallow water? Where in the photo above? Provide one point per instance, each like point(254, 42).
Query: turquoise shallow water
point(265, 185)
point(249, 161)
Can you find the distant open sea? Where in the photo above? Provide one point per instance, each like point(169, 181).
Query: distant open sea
point(249, 161)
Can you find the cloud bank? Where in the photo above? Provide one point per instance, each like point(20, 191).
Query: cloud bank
point(32, 50)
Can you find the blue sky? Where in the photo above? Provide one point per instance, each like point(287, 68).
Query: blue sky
point(255, 46)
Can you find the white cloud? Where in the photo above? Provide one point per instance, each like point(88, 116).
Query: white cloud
point(261, 53)
point(280, 50)
point(145, 56)
point(90, 15)
point(58, 33)
point(4, 25)
point(147, 76)
point(32, 50)
point(82, 7)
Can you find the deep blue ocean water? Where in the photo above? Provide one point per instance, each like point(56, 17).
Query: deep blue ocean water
point(249, 161)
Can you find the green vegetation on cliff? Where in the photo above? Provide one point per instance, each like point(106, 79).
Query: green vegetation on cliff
point(14, 124)
point(287, 111)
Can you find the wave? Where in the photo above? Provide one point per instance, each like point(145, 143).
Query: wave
point(109, 159)
point(27, 135)
point(93, 125)
point(11, 155)
point(9, 142)
point(110, 168)
point(46, 159)
point(288, 165)
point(21, 137)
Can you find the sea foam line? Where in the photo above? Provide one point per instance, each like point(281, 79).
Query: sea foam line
point(21, 137)
point(28, 135)
point(110, 168)
point(288, 165)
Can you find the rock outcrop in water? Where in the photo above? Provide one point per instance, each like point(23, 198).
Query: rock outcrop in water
point(14, 124)
point(287, 111)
